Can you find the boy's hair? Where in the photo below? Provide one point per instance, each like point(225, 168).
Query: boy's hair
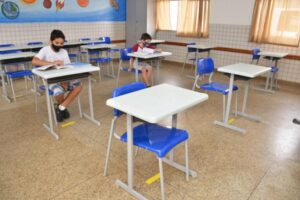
point(57, 34)
point(146, 36)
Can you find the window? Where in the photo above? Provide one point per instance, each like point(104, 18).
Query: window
point(173, 14)
point(189, 18)
point(276, 22)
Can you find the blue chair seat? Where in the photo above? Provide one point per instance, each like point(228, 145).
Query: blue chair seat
point(218, 87)
point(18, 74)
point(125, 69)
point(157, 139)
point(101, 60)
point(72, 55)
point(42, 87)
point(114, 50)
point(274, 69)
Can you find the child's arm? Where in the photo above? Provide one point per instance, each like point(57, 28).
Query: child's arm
point(158, 50)
point(38, 62)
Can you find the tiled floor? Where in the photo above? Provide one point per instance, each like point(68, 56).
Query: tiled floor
point(262, 164)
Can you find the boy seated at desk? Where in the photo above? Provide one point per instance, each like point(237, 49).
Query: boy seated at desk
point(55, 54)
point(146, 69)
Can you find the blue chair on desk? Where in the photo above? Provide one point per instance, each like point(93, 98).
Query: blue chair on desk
point(73, 55)
point(34, 43)
point(88, 41)
point(255, 55)
point(11, 75)
point(124, 58)
point(155, 138)
point(6, 45)
point(188, 53)
point(206, 66)
point(107, 40)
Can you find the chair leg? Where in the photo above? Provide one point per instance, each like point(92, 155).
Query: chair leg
point(186, 160)
point(195, 82)
point(112, 68)
point(99, 72)
point(53, 109)
point(35, 92)
point(79, 106)
point(112, 130)
point(118, 75)
point(236, 104)
point(12, 88)
point(161, 179)
point(136, 151)
point(183, 66)
point(224, 108)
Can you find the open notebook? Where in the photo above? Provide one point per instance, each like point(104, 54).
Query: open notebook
point(52, 66)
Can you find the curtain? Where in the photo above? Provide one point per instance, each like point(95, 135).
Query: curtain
point(163, 21)
point(193, 18)
point(276, 22)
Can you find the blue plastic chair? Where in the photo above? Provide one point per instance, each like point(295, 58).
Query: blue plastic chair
point(206, 66)
point(107, 40)
point(188, 53)
point(34, 43)
point(274, 69)
point(6, 45)
point(11, 75)
point(155, 138)
point(50, 92)
point(255, 55)
point(96, 53)
point(124, 58)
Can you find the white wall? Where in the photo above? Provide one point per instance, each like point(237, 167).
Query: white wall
point(238, 12)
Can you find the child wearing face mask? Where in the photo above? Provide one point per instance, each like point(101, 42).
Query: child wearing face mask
point(144, 67)
point(55, 54)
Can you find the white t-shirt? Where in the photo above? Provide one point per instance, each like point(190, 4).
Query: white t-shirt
point(48, 54)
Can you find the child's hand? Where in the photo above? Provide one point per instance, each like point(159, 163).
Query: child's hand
point(158, 50)
point(59, 62)
point(130, 69)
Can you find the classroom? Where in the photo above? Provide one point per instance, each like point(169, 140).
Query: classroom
point(150, 99)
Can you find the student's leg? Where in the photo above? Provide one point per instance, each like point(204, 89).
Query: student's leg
point(60, 98)
point(145, 76)
point(149, 72)
point(71, 96)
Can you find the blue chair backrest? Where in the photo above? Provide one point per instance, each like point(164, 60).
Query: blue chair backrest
point(6, 45)
point(84, 39)
point(10, 51)
point(34, 43)
point(255, 53)
point(124, 52)
point(205, 66)
point(106, 40)
point(126, 89)
point(191, 50)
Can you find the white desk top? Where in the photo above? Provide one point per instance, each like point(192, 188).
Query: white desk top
point(158, 102)
point(16, 55)
point(148, 56)
point(98, 46)
point(25, 46)
point(157, 41)
point(71, 70)
point(201, 46)
point(243, 69)
point(22, 47)
point(273, 54)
